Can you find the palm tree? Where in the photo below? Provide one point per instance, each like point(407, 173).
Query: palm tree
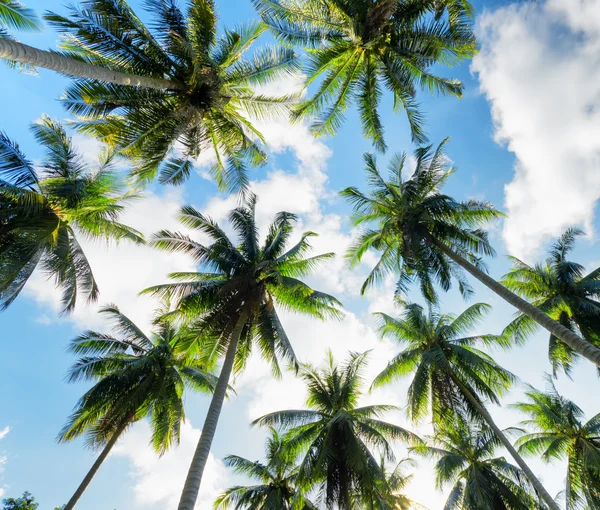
point(47, 207)
point(560, 289)
point(425, 235)
point(336, 435)
point(359, 47)
point(561, 433)
point(451, 375)
point(465, 453)
point(233, 301)
point(142, 89)
point(137, 376)
point(14, 15)
point(276, 490)
point(396, 482)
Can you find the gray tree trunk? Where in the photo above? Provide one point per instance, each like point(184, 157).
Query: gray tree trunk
point(18, 52)
point(194, 476)
point(545, 496)
point(586, 349)
point(92, 472)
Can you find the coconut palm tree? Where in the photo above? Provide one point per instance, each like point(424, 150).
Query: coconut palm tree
point(14, 15)
point(396, 481)
point(559, 432)
point(143, 89)
point(276, 490)
point(451, 375)
point(560, 289)
point(356, 48)
point(425, 235)
point(465, 453)
point(336, 436)
point(137, 376)
point(46, 208)
point(232, 301)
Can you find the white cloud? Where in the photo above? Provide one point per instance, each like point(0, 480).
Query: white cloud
point(4, 432)
point(157, 482)
point(539, 68)
point(3, 458)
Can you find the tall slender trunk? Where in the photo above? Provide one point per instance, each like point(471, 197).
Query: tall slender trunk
point(19, 52)
point(586, 349)
point(194, 476)
point(92, 472)
point(507, 444)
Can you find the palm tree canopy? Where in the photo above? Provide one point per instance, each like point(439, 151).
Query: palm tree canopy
point(405, 216)
point(249, 280)
point(137, 376)
point(560, 288)
point(359, 47)
point(465, 454)
point(46, 207)
point(396, 482)
point(14, 15)
point(277, 488)
point(559, 432)
point(336, 436)
point(206, 110)
point(439, 356)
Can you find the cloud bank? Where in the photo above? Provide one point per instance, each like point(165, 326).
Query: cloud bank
point(539, 67)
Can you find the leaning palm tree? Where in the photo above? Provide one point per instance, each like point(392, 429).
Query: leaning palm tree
point(232, 301)
point(46, 208)
point(425, 235)
point(465, 454)
point(137, 376)
point(560, 289)
point(358, 47)
point(559, 433)
point(144, 89)
point(451, 375)
point(336, 436)
point(276, 490)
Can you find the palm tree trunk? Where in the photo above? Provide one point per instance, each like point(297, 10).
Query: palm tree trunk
point(194, 476)
point(586, 349)
point(12, 50)
point(92, 472)
point(545, 496)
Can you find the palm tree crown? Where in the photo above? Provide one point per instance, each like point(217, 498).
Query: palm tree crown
point(443, 361)
point(559, 288)
point(559, 433)
point(204, 111)
point(277, 488)
point(137, 376)
point(358, 47)
point(336, 435)
point(465, 458)
point(44, 211)
point(248, 280)
point(409, 217)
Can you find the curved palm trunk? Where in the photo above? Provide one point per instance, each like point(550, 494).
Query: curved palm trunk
point(194, 476)
point(11, 50)
point(93, 470)
point(586, 349)
point(545, 496)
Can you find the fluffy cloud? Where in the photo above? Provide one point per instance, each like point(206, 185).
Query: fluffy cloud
point(539, 68)
point(157, 482)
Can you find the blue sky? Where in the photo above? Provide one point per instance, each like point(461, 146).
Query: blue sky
point(525, 136)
